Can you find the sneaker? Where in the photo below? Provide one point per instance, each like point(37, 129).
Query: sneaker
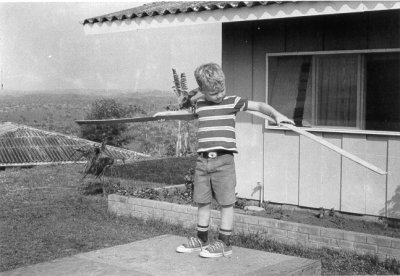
point(194, 244)
point(216, 249)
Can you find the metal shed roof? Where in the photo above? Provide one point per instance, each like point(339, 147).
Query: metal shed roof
point(170, 14)
point(22, 145)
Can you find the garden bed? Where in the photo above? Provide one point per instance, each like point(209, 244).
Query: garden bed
point(162, 170)
point(279, 230)
point(316, 217)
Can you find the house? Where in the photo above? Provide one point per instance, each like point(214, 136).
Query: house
point(22, 146)
point(332, 66)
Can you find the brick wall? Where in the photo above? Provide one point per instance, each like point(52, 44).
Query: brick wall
point(282, 231)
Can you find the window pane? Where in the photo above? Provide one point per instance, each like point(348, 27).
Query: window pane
point(289, 87)
point(337, 91)
point(382, 109)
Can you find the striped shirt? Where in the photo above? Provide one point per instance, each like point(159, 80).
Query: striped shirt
point(217, 123)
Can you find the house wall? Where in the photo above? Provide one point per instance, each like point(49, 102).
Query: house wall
point(294, 169)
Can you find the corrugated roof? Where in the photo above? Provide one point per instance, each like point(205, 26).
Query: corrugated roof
point(164, 8)
point(23, 145)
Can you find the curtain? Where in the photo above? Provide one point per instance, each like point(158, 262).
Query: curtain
point(337, 90)
point(289, 86)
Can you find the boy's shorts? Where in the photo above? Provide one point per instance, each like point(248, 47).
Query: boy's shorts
point(215, 176)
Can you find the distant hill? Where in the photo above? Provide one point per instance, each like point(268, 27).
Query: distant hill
point(57, 110)
point(92, 92)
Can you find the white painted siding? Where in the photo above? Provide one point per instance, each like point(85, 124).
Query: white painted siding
point(301, 172)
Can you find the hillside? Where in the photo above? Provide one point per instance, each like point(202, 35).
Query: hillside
point(57, 111)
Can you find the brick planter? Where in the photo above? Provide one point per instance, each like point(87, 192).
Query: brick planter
point(281, 231)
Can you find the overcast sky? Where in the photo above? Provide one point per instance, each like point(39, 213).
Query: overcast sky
point(43, 46)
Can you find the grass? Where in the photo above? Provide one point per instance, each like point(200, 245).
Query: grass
point(167, 170)
point(45, 216)
point(333, 262)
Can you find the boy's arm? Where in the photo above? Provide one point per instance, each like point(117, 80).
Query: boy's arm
point(270, 111)
point(196, 96)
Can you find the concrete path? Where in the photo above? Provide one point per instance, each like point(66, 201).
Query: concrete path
point(157, 256)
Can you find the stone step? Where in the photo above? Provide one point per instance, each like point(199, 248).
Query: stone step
point(157, 256)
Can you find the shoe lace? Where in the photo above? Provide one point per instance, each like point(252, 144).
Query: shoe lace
point(193, 242)
point(216, 245)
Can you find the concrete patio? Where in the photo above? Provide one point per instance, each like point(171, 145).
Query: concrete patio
point(157, 256)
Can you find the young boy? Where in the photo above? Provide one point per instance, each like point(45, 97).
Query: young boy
point(215, 167)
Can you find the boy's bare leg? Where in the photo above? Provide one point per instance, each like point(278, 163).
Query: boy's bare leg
point(203, 221)
point(204, 213)
point(227, 217)
point(225, 230)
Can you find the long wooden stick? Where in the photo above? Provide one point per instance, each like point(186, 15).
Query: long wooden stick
point(183, 117)
point(324, 143)
point(190, 116)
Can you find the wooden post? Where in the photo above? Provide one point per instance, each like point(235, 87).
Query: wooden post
point(178, 141)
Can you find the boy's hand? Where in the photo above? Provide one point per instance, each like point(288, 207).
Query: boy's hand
point(190, 99)
point(197, 95)
point(269, 111)
point(283, 119)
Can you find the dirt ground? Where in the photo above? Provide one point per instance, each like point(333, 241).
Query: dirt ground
point(330, 219)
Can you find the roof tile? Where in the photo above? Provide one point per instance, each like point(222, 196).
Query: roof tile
point(25, 145)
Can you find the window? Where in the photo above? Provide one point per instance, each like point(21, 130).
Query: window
point(345, 90)
point(382, 90)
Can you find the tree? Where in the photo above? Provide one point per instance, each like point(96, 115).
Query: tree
point(106, 109)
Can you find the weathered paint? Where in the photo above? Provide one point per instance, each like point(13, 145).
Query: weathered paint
point(296, 170)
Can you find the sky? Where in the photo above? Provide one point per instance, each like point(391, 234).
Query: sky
point(43, 47)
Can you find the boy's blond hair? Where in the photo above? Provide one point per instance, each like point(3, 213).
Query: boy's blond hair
point(210, 77)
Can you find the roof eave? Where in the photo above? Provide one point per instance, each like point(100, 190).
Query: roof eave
point(273, 11)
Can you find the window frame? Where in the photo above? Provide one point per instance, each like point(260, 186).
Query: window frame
point(361, 95)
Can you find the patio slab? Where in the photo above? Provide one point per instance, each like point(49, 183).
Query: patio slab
point(157, 256)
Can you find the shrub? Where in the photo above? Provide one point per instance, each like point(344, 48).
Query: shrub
point(108, 109)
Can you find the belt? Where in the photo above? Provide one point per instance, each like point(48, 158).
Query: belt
point(214, 154)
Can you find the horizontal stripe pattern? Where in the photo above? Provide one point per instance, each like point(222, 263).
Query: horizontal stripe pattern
point(216, 118)
point(216, 139)
point(217, 123)
point(229, 128)
point(215, 107)
point(202, 228)
point(225, 232)
point(215, 134)
point(226, 146)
